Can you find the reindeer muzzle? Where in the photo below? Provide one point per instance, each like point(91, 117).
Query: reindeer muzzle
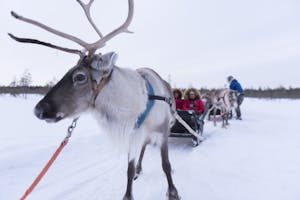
point(46, 111)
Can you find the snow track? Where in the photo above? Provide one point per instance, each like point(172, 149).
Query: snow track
point(254, 159)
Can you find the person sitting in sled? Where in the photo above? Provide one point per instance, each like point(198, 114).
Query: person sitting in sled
point(178, 98)
point(235, 86)
point(193, 102)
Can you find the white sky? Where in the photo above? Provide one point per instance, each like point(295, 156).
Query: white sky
point(193, 42)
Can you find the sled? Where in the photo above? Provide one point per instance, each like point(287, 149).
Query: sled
point(191, 118)
point(218, 115)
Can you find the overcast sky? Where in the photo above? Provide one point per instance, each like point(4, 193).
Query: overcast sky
point(190, 42)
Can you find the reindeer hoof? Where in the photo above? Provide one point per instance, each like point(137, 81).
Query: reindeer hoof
point(128, 198)
point(173, 195)
point(137, 175)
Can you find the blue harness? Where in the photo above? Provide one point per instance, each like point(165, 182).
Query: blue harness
point(151, 97)
point(141, 118)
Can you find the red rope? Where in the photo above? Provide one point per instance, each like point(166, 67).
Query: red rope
point(45, 169)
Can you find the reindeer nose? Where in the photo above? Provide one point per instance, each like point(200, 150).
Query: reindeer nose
point(41, 110)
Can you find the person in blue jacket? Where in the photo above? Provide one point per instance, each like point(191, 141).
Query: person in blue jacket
point(236, 86)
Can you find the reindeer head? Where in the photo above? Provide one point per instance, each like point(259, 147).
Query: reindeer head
point(78, 89)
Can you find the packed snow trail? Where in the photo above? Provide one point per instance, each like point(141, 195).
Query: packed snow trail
point(256, 158)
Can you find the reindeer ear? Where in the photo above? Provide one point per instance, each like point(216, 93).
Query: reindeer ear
point(104, 63)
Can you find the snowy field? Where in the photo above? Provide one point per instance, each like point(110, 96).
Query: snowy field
point(254, 159)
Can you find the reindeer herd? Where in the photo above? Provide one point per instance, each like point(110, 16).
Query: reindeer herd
point(97, 85)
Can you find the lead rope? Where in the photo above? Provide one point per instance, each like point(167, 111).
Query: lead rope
point(52, 159)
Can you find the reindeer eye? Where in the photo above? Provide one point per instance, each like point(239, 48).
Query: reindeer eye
point(79, 78)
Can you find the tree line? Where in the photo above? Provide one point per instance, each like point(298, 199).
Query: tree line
point(281, 92)
point(22, 86)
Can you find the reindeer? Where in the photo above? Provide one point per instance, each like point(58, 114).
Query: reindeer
point(97, 85)
point(223, 100)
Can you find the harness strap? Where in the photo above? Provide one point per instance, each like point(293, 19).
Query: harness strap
point(99, 87)
point(155, 97)
point(141, 118)
point(223, 97)
point(151, 99)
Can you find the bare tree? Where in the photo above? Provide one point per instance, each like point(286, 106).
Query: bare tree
point(26, 79)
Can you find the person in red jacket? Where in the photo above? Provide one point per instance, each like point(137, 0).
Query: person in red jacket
point(178, 98)
point(192, 101)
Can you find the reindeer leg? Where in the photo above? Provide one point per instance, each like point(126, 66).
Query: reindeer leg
point(130, 176)
point(172, 191)
point(215, 120)
point(223, 120)
point(227, 117)
point(224, 117)
point(139, 165)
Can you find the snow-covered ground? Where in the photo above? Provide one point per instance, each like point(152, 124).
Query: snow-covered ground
point(254, 159)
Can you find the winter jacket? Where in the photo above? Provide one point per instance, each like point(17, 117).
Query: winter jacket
point(236, 86)
point(179, 103)
point(196, 105)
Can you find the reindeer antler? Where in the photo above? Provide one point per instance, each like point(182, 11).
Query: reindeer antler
point(123, 28)
point(86, 8)
point(51, 30)
point(47, 44)
point(91, 48)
